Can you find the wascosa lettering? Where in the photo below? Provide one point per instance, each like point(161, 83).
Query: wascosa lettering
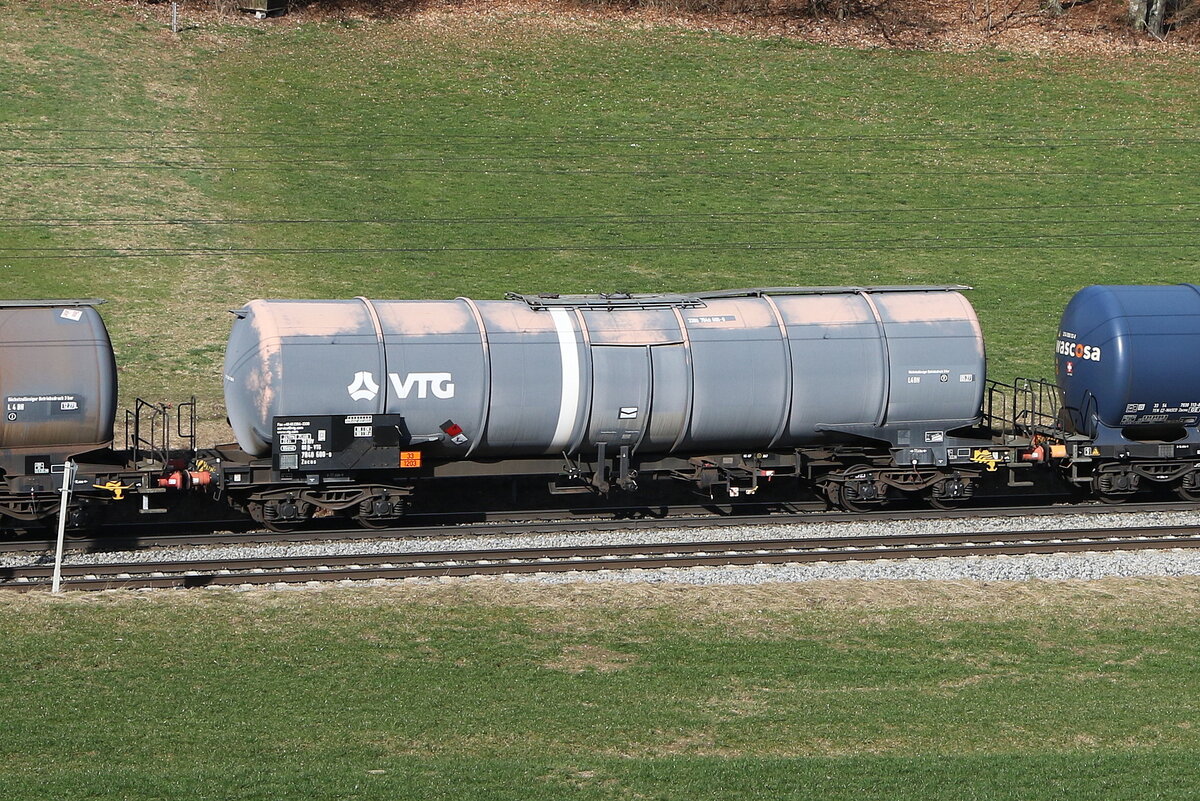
point(1075, 350)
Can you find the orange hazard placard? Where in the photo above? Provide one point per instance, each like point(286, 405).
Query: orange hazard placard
point(410, 458)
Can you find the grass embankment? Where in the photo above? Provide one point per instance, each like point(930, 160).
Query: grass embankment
point(476, 154)
point(447, 156)
point(495, 690)
point(502, 691)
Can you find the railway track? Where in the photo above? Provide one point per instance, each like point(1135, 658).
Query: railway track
point(362, 567)
point(546, 522)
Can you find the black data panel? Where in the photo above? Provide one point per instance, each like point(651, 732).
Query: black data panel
point(339, 443)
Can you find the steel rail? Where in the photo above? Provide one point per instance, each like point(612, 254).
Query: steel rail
point(360, 567)
point(545, 522)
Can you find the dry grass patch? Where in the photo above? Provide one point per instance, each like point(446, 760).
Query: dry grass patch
point(588, 658)
point(765, 609)
point(759, 610)
point(698, 742)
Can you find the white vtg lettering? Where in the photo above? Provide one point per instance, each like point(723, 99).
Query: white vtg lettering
point(439, 384)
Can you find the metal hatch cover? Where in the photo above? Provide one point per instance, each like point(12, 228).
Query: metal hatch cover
point(603, 302)
point(829, 290)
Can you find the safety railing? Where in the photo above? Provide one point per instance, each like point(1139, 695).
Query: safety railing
point(148, 431)
point(1024, 408)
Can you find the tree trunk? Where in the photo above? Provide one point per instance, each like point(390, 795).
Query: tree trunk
point(1137, 14)
point(1054, 7)
point(1158, 14)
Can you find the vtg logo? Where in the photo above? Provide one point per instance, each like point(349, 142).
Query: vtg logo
point(440, 385)
point(363, 387)
point(1076, 351)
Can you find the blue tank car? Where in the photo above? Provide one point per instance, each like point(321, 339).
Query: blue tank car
point(1126, 362)
point(1129, 385)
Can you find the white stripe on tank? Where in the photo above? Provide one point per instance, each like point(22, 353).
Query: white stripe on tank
point(568, 352)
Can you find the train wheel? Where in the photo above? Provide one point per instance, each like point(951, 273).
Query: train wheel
point(848, 501)
point(1188, 488)
point(950, 493)
point(375, 522)
point(1116, 487)
point(83, 521)
point(859, 493)
point(378, 512)
point(283, 526)
point(945, 504)
point(285, 515)
point(1188, 493)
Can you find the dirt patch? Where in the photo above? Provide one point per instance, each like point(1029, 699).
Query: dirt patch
point(1085, 27)
point(590, 658)
point(760, 607)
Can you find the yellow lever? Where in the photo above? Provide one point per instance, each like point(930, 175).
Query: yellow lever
point(116, 488)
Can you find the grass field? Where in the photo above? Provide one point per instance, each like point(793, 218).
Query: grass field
point(476, 154)
point(502, 691)
point(472, 154)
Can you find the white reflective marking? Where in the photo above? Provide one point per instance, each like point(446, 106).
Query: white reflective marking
point(569, 403)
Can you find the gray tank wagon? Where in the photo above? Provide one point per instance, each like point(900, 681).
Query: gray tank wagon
point(59, 382)
point(860, 389)
point(58, 379)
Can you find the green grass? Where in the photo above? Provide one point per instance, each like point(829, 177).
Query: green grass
point(478, 155)
point(498, 691)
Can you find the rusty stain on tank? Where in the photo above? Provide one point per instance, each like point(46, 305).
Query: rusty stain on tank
point(632, 327)
point(260, 381)
point(923, 307)
point(511, 317)
point(824, 310)
point(310, 318)
point(424, 318)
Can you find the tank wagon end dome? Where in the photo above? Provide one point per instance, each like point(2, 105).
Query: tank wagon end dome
point(58, 375)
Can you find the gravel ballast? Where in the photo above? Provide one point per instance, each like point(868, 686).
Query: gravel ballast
point(1066, 566)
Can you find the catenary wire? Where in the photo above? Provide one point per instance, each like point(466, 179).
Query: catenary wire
point(646, 172)
point(990, 242)
point(1045, 144)
point(603, 218)
point(325, 132)
point(765, 219)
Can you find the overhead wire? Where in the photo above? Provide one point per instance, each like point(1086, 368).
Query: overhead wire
point(502, 163)
point(649, 171)
point(714, 218)
point(666, 216)
point(857, 146)
point(989, 242)
point(325, 131)
point(1015, 139)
